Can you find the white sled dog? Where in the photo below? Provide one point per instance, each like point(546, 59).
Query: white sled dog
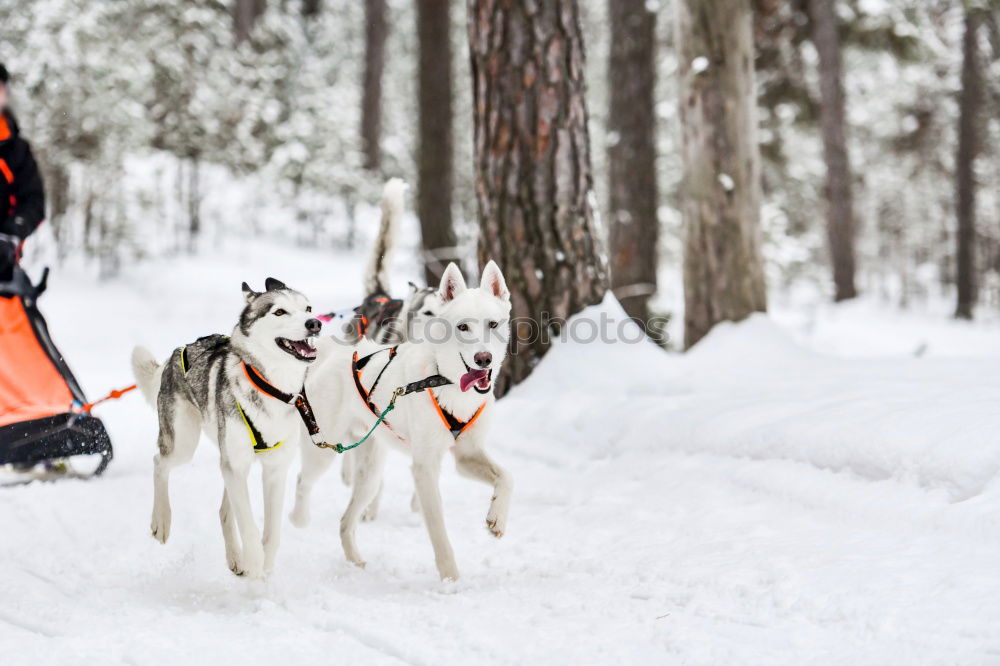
point(449, 375)
point(245, 391)
point(381, 318)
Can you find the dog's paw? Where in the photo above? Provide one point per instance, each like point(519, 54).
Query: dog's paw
point(496, 520)
point(448, 570)
point(233, 562)
point(370, 514)
point(495, 526)
point(299, 516)
point(160, 525)
point(254, 573)
point(252, 563)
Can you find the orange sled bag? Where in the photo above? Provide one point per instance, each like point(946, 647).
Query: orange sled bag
point(41, 415)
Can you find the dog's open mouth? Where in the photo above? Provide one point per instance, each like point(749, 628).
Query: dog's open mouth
point(304, 350)
point(480, 379)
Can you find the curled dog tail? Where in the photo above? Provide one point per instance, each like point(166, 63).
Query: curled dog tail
point(147, 373)
point(376, 279)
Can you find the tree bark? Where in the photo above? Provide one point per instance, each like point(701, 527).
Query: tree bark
point(969, 102)
point(532, 168)
point(245, 15)
point(194, 204)
point(632, 202)
point(435, 150)
point(311, 8)
point(720, 192)
point(840, 202)
point(376, 31)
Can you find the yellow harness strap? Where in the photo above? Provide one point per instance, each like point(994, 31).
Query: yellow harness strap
point(259, 445)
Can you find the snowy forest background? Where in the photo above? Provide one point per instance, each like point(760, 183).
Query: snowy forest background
point(161, 130)
point(819, 484)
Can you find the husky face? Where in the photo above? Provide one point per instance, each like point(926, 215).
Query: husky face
point(421, 306)
point(471, 330)
point(278, 323)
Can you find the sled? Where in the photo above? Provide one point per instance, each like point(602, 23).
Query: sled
point(46, 429)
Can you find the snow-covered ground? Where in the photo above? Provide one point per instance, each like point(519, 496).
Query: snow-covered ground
point(797, 489)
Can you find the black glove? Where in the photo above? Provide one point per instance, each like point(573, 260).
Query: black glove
point(8, 257)
point(15, 225)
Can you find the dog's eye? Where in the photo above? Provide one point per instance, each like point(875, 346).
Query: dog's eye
point(309, 308)
point(494, 324)
point(464, 328)
point(279, 312)
point(427, 312)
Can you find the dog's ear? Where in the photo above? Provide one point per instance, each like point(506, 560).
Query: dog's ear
point(493, 281)
point(452, 283)
point(248, 293)
point(270, 284)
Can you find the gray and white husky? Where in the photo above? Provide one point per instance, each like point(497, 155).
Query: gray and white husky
point(465, 346)
point(239, 390)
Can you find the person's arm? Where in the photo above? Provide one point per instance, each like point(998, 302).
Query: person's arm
point(29, 209)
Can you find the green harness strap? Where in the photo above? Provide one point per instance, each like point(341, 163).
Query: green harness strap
point(433, 381)
point(340, 448)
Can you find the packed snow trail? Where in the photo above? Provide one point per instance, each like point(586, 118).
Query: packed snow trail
point(750, 502)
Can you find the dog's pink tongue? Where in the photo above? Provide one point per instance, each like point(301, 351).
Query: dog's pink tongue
point(471, 377)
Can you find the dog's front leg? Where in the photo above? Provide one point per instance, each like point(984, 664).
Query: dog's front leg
point(315, 461)
point(274, 476)
point(371, 512)
point(426, 475)
point(234, 475)
point(472, 461)
point(368, 465)
point(234, 553)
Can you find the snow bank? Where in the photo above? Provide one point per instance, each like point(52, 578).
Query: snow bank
point(747, 390)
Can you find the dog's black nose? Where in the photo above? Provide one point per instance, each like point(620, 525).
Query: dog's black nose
point(313, 326)
point(483, 359)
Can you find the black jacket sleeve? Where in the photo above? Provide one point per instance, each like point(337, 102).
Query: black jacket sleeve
point(29, 211)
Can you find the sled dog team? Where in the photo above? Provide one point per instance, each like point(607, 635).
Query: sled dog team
point(275, 383)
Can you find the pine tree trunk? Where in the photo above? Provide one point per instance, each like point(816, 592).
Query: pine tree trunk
point(57, 195)
point(194, 204)
point(435, 151)
point(311, 8)
point(720, 192)
point(245, 15)
point(965, 177)
point(840, 202)
point(376, 31)
point(532, 167)
point(632, 202)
